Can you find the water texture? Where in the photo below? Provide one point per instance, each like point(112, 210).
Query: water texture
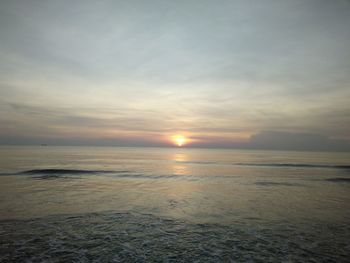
point(82, 204)
point(115, 237)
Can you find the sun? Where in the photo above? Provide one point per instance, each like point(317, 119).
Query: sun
point(179, 140)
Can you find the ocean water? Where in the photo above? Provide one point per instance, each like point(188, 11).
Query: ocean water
point(104, 204)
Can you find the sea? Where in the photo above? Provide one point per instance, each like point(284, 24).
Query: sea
point(119, 204)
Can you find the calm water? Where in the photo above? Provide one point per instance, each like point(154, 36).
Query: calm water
point(87, 204)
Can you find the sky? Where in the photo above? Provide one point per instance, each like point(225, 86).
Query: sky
point(247, 74)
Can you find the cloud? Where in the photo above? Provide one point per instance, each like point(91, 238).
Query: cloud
point(219, 70)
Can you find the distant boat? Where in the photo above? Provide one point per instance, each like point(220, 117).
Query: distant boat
point(43, 144)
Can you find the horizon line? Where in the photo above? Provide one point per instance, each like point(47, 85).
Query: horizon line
point(177, 147)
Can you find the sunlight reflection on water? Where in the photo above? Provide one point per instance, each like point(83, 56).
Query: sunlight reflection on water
point(250, 195)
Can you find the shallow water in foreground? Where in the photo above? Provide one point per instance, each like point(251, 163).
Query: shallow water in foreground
point(114, 237)
point(86, 204)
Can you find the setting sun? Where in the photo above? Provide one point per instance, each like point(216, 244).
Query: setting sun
point(179, 140)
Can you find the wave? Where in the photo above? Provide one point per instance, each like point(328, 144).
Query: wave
point(269, 183)
point(77, 173)
point(58, 172)
point(339, 180)
point(291, 165)
point(65, 171)
point(118, 173)
point(296, 165)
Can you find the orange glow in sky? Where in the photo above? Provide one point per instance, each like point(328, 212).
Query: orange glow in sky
point(179, 140)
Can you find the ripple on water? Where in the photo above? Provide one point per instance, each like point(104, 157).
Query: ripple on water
point(126, 237)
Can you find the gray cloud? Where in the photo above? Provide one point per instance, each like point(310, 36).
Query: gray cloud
point(217, 70)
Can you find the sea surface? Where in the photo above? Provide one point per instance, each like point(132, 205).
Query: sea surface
point(105, 204)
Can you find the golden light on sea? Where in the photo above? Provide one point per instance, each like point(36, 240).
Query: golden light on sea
point(179, 140)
